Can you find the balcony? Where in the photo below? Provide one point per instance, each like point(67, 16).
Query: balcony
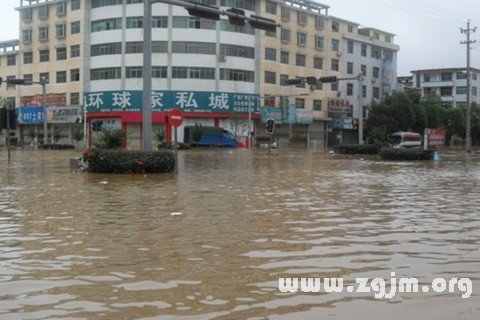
point(436, 84)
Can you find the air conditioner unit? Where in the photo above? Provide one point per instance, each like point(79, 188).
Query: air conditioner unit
point(339, 54)
point(313, 87)
point(339, 94)
point(374, 80)
point(221, 58)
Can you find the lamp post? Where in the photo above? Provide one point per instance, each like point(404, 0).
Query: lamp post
point(360, 106)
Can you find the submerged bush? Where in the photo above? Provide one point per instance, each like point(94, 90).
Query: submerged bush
point(411, 154)
point(117, 161)
point(356, 149)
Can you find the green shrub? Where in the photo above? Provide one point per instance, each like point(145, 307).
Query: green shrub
point(110, 139)
point(57, 146)
point(405, 154)
point(356, 149)
point(117, 161)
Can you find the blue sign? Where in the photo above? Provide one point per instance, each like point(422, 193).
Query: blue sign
point(187, 101)
point(30, 115)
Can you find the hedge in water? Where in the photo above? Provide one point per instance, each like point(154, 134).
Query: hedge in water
point(356, 149)
point(411, 154)
point(118, 161)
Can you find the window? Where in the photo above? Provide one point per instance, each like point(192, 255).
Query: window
point(300, 60)
point(137, 72)
point(319, 22)
point(75, 75)
point(302, 85)
point(28, 77)
point(388, 39)
point(334, 86)
point(26, 14)
point(61, 53)
point(302, 17)
point(226, 26)
point(285, 13)
point(335, 45)
point(350, 28)
point(241, 4)
point(335, 65)
point(376, 92)
point(10, 78)
point(363, 68)
point(319, 42)
point(11, 60)
point(270, 77)
point(285, 35)
point(270, 54)
point(158, 46)
point(162, 22)
point(107, 24)
point(446, 91)
point(237, 75)
point(376, 53)
point(283, 79)
point(461, 75)
point(75, 27)
point(284, 57)
point(43, 33)
point(350, 46)
point(300, 103)
point(134, 22)
point(193, 73)
point(74, 98)
point(461, 90)
point(60, 30)
point(474, 76)
point(237, 51)
point(269, 101)
point(27, 36)
point(60, 8)
point(272, 34)
point(335, 26)
point(376, 36)
point(159, 72)
point(301, 38)
point(197, 23)
point(106, 49)
point(271, 7)
point(364, 91)
point(105, 73)
point(44, 55)
point(103, 3)
point(350, 67)
point(474, 91)
point(376, 72)
point(75, 51)
point(61, 76)
point(193, 47)
point(44, 76)
point(349, 89)
point(43, 11)
point(27, 57)
point(134, 72)
point(364, 50)
point(75, 5)
point(318, 63)
point(426, 78)
point(317, 105)
point(446, 76)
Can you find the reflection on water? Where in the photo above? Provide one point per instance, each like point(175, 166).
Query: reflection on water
point(83, 246)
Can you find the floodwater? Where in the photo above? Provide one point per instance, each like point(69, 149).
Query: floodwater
point(213, 241)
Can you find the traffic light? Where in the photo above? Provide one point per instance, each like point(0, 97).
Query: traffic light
point(312, 81)
point(294, 82)
point(1, 80)
point(270, 127)
point(203, 11)
point(15, 81)
point(262, 23)
point(328, 79)
point(3, 118)
point(237, 17)
point(8, 118)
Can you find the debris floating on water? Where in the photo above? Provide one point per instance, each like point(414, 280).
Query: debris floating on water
point(173, 214)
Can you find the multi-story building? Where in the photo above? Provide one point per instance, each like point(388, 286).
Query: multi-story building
point(404, 83)
point(91, 53)
point(449, 83)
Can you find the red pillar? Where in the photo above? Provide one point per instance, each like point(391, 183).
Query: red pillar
point(216, 122)
point(168, 127)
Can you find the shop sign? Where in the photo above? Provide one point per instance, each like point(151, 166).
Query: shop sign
point(53, 99)
point(30, 115)
point(339, 105)
point(64, 114)
point(186, 101)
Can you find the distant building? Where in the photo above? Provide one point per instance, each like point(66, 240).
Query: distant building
point(450, 84)
point(90, 52)
point(404, 83)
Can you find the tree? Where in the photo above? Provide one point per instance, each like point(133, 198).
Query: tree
point(239, 128)
point(197, 133)
point(110, 139)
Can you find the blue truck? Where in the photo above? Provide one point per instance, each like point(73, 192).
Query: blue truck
point(211, 136)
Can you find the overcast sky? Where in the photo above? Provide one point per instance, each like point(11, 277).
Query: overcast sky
point(428, 31)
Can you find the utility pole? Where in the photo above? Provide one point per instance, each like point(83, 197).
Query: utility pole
point(468, 31)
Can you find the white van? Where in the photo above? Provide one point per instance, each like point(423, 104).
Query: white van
point(404, 139)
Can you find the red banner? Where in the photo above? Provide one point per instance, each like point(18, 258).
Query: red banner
point(53, 99)
point(436, 139)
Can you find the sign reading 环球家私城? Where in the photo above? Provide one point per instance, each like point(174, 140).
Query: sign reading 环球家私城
point(186, 101)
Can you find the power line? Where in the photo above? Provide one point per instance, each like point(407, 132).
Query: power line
point(429, 9)
point(415, 13)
